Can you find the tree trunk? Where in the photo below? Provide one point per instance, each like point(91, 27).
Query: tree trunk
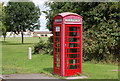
point(4, 38)
point(22, 36)
point(4, 35)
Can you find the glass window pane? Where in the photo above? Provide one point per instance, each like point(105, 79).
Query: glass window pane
point(57, 44)
point(67, 67)
point(57, 60)
point(67, 55)
point(78, 44)
point(78, 28)
point(57, 49)
point(78, 50)
point(73, 50)
point(72, 39)
point(73, 66)
point(67, 33)
point(73, 55)
point(78, 55)
point(58, 39)
point(57, 33)
point(57, 65)
point(78, 60)
point(58, 55)
point(72, 44)
point(72, 28)
point(73, 34)
point(73, 61)
point(78, 34)
point(67, 28)
point(78, 66)
point(67, 61)
point(67, 50)
point(78, 39)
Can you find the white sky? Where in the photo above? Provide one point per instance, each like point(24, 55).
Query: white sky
point(40, 3)
point(43, 21)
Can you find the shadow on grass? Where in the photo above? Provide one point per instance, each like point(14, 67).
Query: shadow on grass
point(3, 42)
point(9, 43)
point(50, 70)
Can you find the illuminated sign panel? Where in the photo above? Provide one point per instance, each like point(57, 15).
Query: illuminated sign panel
point(58, 20)
point(72, 20)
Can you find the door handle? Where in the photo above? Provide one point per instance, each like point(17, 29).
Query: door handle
point(65, 45)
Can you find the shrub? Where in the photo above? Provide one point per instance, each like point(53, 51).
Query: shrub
point(39, 46)
point(43, 47)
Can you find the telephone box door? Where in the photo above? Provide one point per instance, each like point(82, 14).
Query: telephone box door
point(73, 49)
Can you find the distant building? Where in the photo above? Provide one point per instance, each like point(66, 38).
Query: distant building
point(30, 34)
point(12, 34)
point(42, 34)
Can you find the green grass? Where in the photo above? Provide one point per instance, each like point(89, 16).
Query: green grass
point(15, 60)
point(100, 71)
point(15, 57)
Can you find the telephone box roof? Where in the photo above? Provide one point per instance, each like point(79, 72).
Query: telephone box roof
point(68, 13)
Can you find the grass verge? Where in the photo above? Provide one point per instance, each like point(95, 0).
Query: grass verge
point(15, 60)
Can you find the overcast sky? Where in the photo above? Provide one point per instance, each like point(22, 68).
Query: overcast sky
point(40, 3)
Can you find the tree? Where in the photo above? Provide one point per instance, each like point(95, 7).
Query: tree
point(101, 36)
point(2, 27)
point(21, 16)
point(0, 19)
point(4, 32)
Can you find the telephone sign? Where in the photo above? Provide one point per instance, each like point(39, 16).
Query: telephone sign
point(73, 20)
point(57, 28)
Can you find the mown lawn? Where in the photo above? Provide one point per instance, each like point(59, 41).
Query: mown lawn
point(15, 60)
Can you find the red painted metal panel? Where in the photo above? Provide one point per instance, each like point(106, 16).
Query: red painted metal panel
point(78, 69)
point(70, 62)
point(63, 50)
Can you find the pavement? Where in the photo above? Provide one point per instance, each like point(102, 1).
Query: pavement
point(116, 70)
point(38, 76)
point(27, 76)
point(77, 77)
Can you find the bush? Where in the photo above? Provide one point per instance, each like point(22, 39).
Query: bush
point(101, 28)
point(102, 44)
point(43, 47)
point(39, 46)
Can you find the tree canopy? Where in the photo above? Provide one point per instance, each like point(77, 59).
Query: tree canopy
point(0, 19)
point(2, 15)
point(21, 16)
point(101, 31)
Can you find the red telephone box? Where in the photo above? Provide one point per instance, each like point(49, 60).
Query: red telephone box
point(67, 44)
